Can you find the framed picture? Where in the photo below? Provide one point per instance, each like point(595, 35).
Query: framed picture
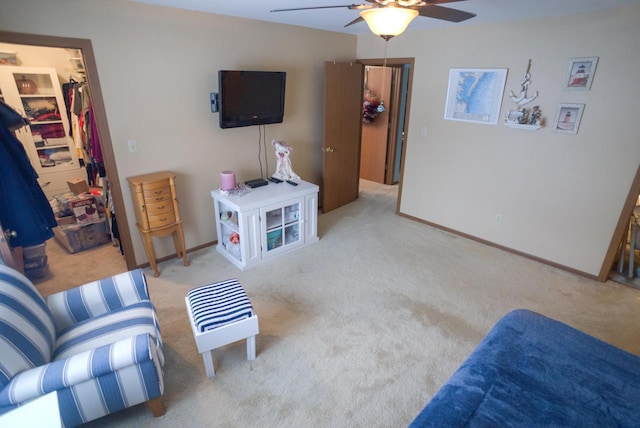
point(568, 118)
point(475, 94)
point(580, 73)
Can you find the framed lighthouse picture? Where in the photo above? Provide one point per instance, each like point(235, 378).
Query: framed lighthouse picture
point(580, 73)
point(568, 118)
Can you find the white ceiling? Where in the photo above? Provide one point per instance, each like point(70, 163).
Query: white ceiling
point(334, 19)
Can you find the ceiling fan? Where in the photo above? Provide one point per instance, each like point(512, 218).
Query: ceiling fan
point(388, 18)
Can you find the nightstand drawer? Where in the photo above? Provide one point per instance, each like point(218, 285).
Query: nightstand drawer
point(158, 208)
point(161, 220)
point(156, 189)
point(158, 199)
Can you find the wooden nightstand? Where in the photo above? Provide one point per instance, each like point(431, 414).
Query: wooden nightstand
point(156, 206)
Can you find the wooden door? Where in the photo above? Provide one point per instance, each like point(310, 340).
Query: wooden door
point(375, 132)
point(342, 129)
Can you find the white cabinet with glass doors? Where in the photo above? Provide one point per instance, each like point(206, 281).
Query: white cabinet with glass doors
point(35, 92)
point(267, 222)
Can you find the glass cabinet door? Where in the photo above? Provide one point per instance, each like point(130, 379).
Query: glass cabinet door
point(40, 105)
point(282, 226)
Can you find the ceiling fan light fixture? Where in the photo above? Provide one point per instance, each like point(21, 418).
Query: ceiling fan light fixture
point(388, 22)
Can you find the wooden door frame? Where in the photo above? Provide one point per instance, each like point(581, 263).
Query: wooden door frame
point(398, 62)
point(99, 111)
point(396, 87)
point(622, 227)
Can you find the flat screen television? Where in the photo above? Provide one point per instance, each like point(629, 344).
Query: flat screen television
point(250, 97)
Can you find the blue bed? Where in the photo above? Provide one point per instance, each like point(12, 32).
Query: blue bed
point(532, 371)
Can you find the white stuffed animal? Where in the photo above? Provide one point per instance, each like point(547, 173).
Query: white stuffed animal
point(283, 163)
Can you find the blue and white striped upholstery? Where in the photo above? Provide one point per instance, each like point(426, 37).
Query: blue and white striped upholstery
point(26, 326)
point(96, 298)
point(93, 383)
point(107, 354)
point(219, 304)
point(109, 328)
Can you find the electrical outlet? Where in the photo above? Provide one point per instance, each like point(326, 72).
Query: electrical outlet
point(498, 218)
point(133, 146)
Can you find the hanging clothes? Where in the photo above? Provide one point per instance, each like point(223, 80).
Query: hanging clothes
point(24, 208)
point(84, 129)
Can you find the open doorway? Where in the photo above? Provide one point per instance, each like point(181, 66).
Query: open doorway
point(84, 49)
point(620, 263)
point(384, 138)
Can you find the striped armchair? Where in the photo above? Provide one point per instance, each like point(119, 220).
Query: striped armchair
point(98, 345)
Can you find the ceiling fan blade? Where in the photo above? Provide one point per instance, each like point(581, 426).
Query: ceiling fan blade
point(355, 21)
point(350, 6)
point(445, 13)
point(432, 2)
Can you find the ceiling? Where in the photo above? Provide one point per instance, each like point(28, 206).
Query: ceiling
point(487, 11)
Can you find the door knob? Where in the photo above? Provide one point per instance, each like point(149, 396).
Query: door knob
point(328, 149)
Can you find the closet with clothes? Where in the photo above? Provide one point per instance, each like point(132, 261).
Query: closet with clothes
point(83, 130)
point(61, 145)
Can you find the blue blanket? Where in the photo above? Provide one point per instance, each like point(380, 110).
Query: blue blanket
point(532, 371)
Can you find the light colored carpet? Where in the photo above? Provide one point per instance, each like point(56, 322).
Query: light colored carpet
point(363, 327)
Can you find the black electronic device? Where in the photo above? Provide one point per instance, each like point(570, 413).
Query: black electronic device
point(274, 180)
point(293, 183)
point(257, 182)
point(214, 102)
point(250, 97)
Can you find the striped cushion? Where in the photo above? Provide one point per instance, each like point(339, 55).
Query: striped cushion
point(219, 304)
point(97, 298)
point(27, 333)
point(117, 325)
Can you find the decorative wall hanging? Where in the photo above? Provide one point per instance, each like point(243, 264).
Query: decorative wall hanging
point(521, 117)
point(371, 106)
point(475, 94)
point(568, 118)
point(580, 73)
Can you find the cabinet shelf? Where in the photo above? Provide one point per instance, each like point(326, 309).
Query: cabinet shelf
point(230, 225)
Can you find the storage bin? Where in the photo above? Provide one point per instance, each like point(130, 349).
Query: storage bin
point(77, 238)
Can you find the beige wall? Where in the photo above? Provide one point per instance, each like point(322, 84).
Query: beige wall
point(157, 67)
point(560, 195)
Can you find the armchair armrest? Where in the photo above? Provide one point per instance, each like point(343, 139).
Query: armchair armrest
point(79, 368)
point(96, 298)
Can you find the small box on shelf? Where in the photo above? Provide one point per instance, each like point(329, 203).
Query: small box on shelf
point(78, 186)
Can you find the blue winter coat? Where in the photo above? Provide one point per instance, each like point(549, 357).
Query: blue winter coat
point(24, 208)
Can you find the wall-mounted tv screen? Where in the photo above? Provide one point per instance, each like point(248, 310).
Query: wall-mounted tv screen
point(250, 97)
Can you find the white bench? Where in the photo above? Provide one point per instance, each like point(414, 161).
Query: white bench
point(221, 313)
